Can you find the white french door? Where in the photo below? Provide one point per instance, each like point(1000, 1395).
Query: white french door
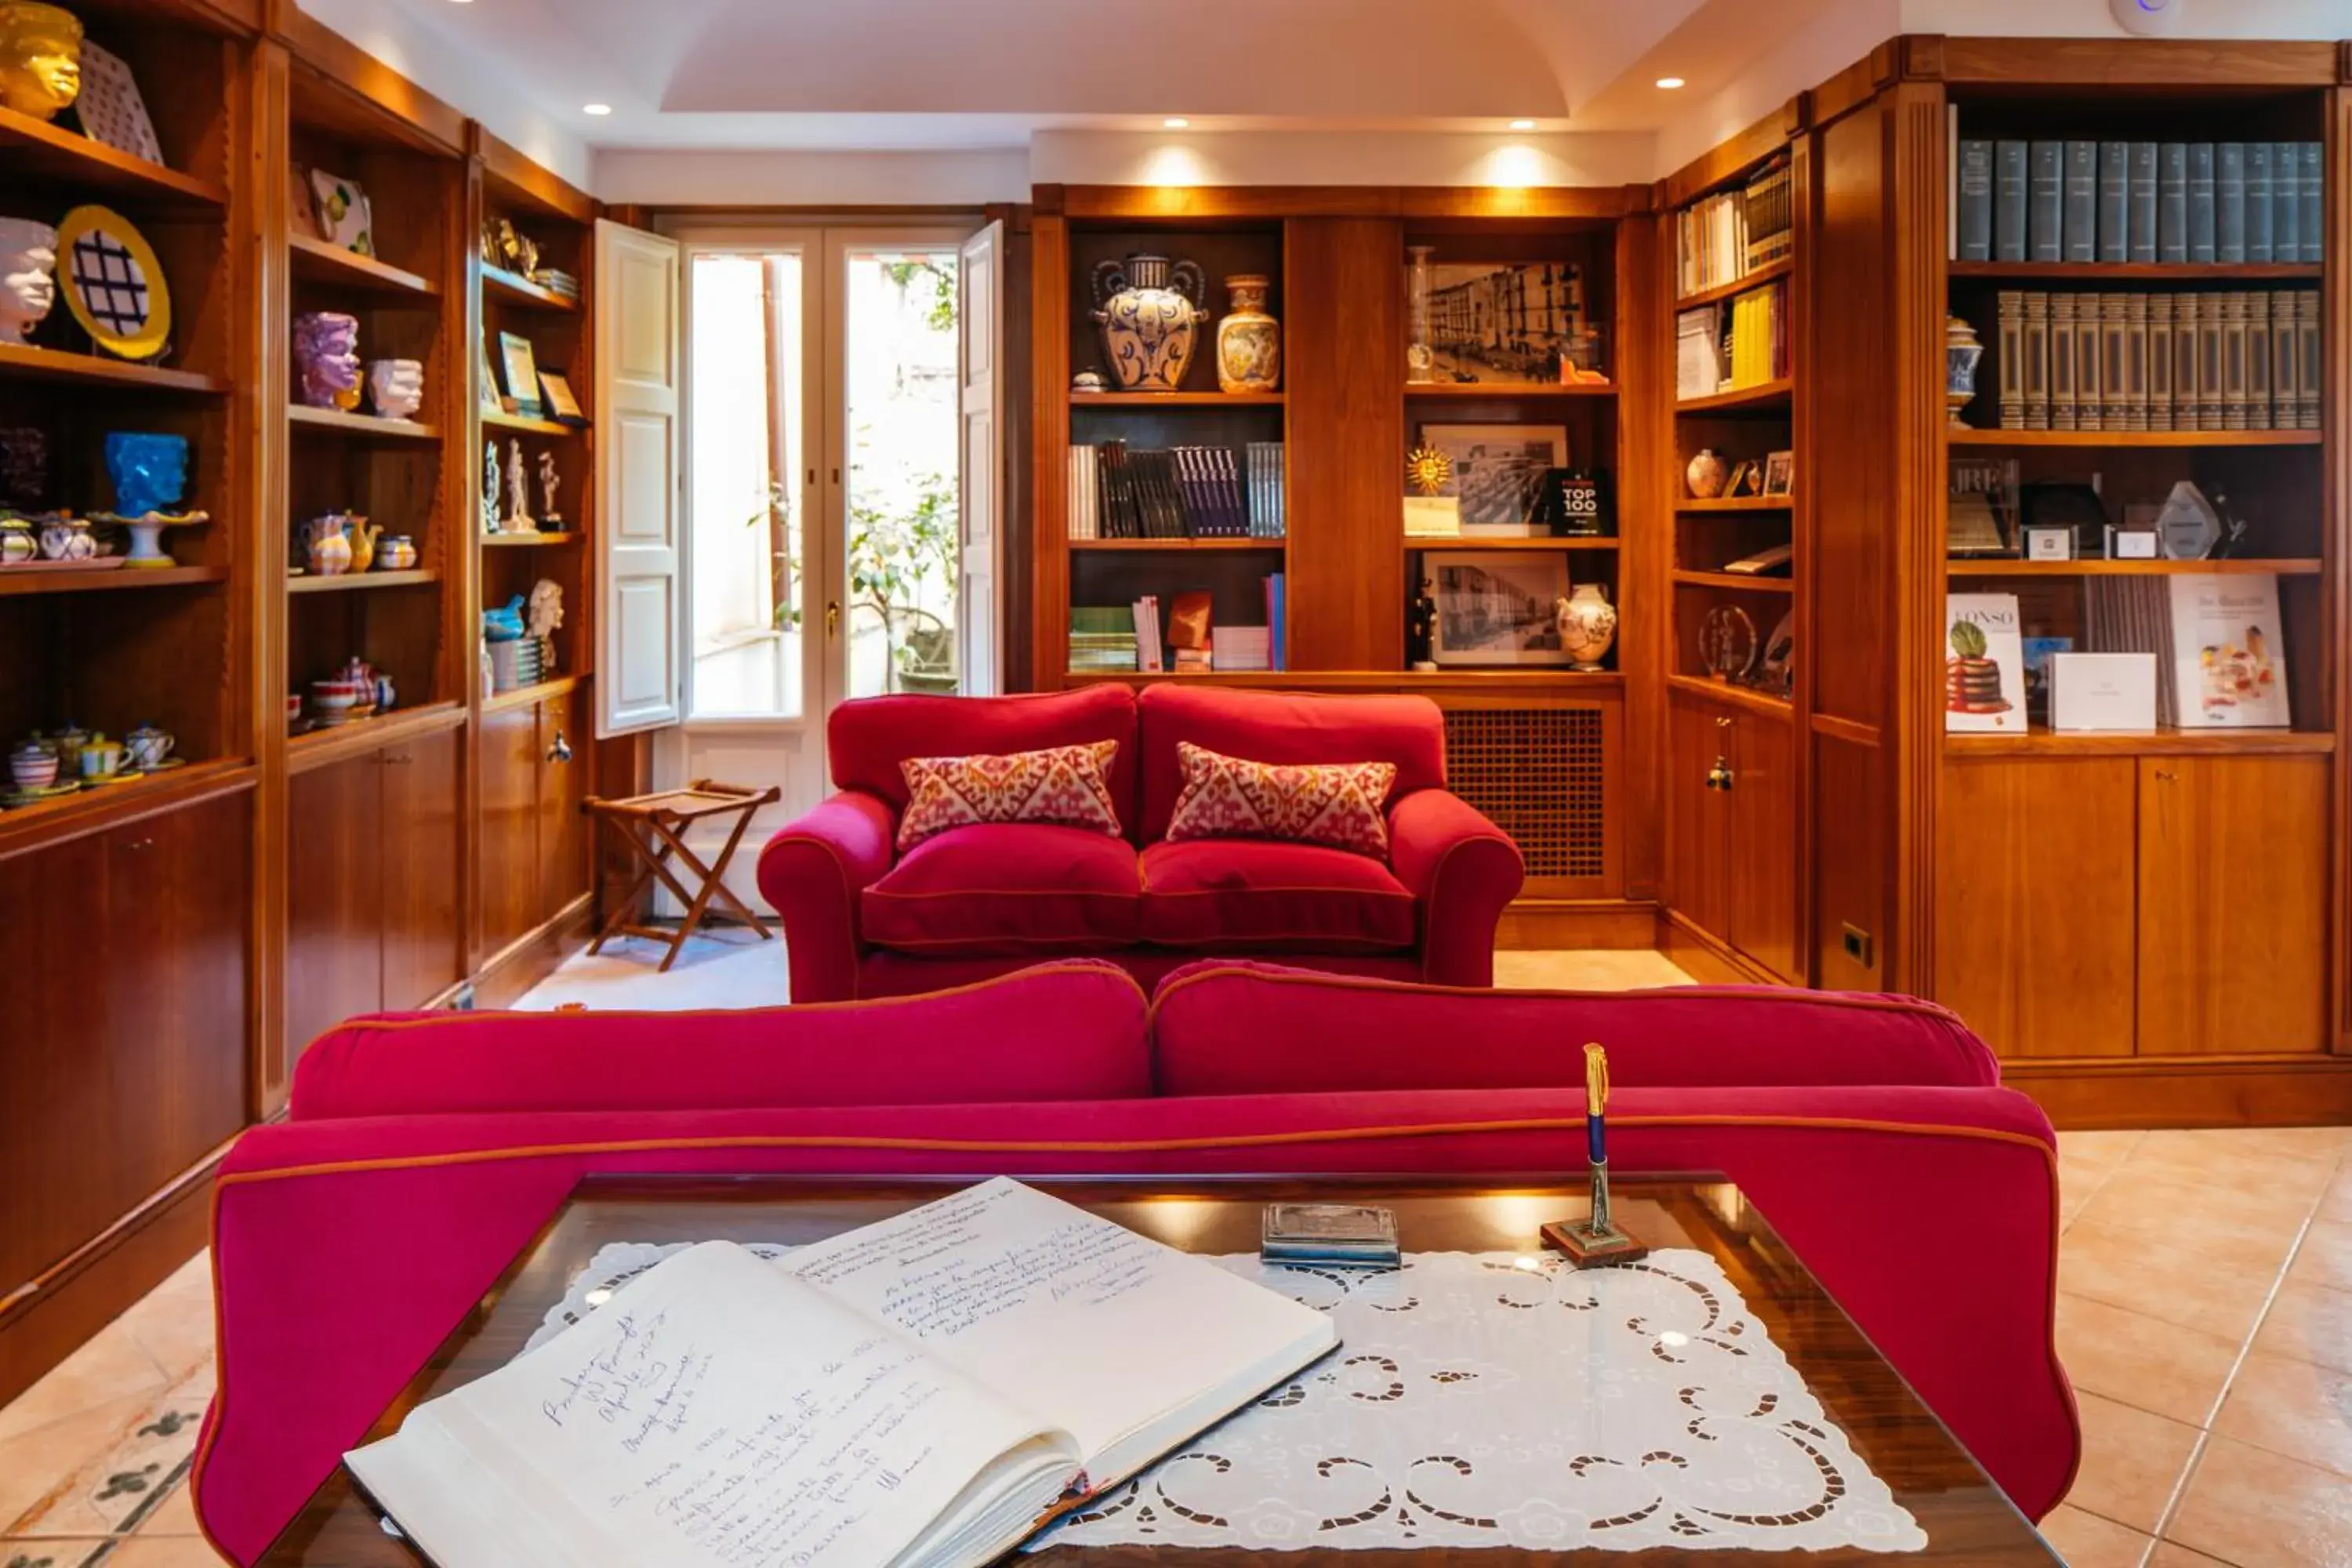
point(828, 475)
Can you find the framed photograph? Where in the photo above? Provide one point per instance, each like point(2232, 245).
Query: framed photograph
point(1746, 480)
point(1779, 473)
point(1505, 323)
point(562, 407)
point(1498, 473)
point(522, 373)
point(2048, 543)
point(1495, 608)
point(342, 211)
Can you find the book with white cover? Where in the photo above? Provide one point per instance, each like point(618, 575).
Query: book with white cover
point(921, 1393)
point(2229, 652)
point(1984, 664)
point(2090, 692)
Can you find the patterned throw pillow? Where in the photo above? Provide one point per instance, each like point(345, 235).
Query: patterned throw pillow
point(1335, 803)
point(1068, 785)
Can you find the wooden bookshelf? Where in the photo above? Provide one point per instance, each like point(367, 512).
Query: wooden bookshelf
point(41, 152)
point(1150, 546)
point(2135, 272)
point(1764, 396)
point(317, 260)
point(361, 582)
point(2124, 440)
point(18, 580)
point(1484, 391)
point(1761, 276)
point(499, 419)
point(1476, 542)
point(2043, 742)
point(1734, 503)
point(1176, 400)
point(513, 289)
point(1735, 582)
point(360, 426)
point(31, 362)
point(2009, 566)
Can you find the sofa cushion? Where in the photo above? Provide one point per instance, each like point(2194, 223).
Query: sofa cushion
point(866, 740)
point(1067, 785)
point(1283, 726)
point(1006, 887)
point(1341, 805)
point(1233, 1028)
point(1070, 1030)
point(1225, 894)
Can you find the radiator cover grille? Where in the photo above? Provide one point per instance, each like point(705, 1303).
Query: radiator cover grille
point(1539, 774)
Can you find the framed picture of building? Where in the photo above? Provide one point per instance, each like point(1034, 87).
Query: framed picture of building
point(1495, 608)
point(1511, 323)
point(1498, 473)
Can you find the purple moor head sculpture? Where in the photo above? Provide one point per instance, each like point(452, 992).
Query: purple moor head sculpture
point(327, 357)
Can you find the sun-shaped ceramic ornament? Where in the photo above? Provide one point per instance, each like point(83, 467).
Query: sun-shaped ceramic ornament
point(1427, 470)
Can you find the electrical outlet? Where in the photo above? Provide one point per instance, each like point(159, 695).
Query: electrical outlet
point(1857, 945)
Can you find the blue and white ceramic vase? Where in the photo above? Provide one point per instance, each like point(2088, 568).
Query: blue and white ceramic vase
point(1962, 349)
point(1149, 312)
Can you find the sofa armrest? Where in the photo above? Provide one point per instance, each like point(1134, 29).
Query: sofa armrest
point(1462, 871)
point(811, 873)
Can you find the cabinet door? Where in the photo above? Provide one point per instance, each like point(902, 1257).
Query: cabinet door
point(423, 932)
point(172, 983)
point(2035, 887)
point(334, 898)
point(2234, 855)
point(1696, 816)
point(1760, 845)
point(509, 829)
point(562, 784)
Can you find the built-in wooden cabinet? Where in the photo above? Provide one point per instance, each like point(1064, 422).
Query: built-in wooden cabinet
point(1731, 803)
point(534, 863)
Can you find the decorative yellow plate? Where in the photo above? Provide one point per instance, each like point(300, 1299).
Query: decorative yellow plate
point(114, 284)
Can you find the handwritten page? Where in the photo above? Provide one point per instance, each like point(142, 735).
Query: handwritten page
point(716, 1412)
point(1106, 1334)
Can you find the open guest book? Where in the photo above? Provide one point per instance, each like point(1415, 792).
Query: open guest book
point(922, 1392)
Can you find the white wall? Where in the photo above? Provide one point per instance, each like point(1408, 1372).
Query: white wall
point(1833, 40)
point(666, 177)
point(1338, 158)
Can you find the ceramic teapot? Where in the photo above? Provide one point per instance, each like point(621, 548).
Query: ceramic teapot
point(362, 535)
point(1149, 310)
point(328, 545)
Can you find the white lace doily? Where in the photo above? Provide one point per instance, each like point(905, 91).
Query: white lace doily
point(1480, 1399)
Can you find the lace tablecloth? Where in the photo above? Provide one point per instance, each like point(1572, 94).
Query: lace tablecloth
point(1480, 1399)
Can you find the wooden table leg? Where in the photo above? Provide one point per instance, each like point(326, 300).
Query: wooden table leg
point(711, 884)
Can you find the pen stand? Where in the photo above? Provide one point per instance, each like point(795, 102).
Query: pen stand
point(1590, 1242)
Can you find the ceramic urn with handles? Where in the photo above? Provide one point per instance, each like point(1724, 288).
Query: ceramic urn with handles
point(1151, 310)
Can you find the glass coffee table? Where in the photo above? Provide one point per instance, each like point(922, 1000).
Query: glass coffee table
point(1966, 1517)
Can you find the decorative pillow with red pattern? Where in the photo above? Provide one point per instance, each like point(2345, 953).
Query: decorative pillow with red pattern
point(1065, 784)
point(1337, 804)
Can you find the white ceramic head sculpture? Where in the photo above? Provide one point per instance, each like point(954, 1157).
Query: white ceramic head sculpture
point(395, 386)
point(28, 288)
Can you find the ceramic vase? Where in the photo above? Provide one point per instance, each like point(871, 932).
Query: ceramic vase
point(1961, 352)
point(327, 359)
point(1249, 341)
point(329, 548)
point(1149, 312)
point(29, 285)
point(397, 553)
point(1588, 625)
point(1706, 474)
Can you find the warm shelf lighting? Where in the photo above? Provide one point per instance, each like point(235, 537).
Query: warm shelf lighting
point(1670, 82)
point(1176, 122)
point(1523, 125)
point(596, 109)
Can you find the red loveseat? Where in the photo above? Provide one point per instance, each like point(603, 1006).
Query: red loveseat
point(422, 1151)
point(861, 920)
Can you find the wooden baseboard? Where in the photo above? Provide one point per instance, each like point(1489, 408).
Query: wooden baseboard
point(1704, 958)
point(1533, 924)
point(2191, 1091)
point(502, 982)
point(51, 1318)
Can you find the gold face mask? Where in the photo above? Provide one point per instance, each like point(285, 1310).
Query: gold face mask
point(40, 58)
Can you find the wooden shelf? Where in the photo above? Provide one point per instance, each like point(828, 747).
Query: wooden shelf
point(40, 150)
point(1765, 396)
point(318, 261)
point(1737, 580)
point(334, 743)
point(1480, 389)
point(501, 419)
point(1476, 542)
point(2136, 271)
point(525, 695)
point(18, 580)
point(1967, 437)
point(2039, 741)
point(509, 540)
point(1756, 279)
point(359, 581)
point(51, 364)
point(2008, 566)
point(514, 289)
point(34, 823)
point(1736, 503)
point(1158, 546)
point(1176, 400)
point(1716, 690)
point(360, 426)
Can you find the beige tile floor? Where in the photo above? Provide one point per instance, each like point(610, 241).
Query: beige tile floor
point(2216, 1399)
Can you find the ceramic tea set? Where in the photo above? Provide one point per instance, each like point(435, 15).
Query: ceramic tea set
point(358, 690)
point(150, 475)
point(343, 541)
point(65, 762)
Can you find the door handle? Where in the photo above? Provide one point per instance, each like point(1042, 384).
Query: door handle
point(832, 618)
point(560, 752)
point(1720, 775)
point(2166, 775)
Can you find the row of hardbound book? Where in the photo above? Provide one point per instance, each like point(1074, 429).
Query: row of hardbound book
point(1117, 491)
point(1722, 238)
point(2246, 360)
point(2161, 202)
point(1740, 342)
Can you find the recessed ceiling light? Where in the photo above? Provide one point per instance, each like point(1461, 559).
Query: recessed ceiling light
point(1670, 82)
point(1175, 122)
point(1523, 125)
point(595, 109)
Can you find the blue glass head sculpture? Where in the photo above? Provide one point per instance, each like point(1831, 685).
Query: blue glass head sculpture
point(150, 472)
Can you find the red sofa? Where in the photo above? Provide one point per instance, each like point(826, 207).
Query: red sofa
point(860, 920)
point(422, 1151)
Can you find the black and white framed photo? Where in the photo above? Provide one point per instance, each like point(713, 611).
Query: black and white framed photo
point(1495, 607)
point(1779, 473)
point(1505, 323)
point(1498, 473)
